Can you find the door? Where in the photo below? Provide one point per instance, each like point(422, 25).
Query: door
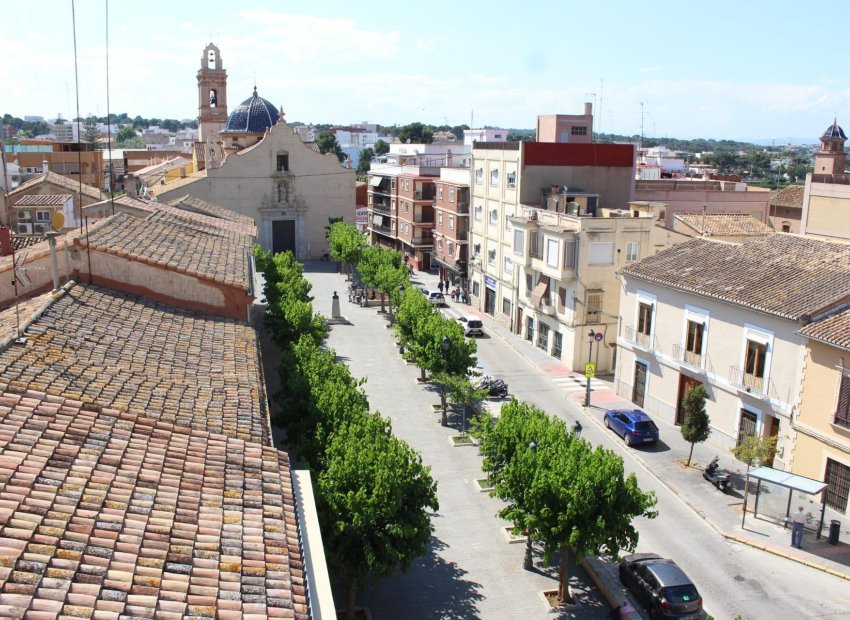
point(489, 301)
point(639, 390)
point(747, 426)
point(283, 236)
point(685, 384)
point(773, 431)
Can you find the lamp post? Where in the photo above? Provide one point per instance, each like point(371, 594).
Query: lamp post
point(592, 336)
point(528, 562)
point(445, 343)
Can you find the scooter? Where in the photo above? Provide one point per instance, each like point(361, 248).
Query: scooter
point(495, 387)
point(715, 476)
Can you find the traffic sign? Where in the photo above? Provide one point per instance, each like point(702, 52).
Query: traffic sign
point(598, 336)
point(590, 370)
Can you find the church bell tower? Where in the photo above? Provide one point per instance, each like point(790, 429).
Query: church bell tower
point(830, 159)
point(212, 95)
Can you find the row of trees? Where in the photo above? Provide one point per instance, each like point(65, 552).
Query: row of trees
point(373, 493)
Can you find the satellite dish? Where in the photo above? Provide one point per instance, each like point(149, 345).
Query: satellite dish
point(57, 222)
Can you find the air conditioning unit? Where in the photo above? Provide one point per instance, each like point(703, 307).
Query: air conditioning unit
point(24, 229)
point(40, 228)
point(534, 215)
point(24, 216)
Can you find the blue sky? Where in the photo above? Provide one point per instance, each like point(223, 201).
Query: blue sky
point(739, 70)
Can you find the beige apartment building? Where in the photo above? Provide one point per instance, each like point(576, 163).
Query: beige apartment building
point(727, 316)
point(822, 423)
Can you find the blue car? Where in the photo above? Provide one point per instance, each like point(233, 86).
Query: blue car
point(635, 426)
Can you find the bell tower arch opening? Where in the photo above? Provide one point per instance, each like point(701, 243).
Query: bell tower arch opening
point(212, 94)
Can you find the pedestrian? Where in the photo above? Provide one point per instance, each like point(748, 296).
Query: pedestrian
point(440, 286)
point(799, 519)
point(577, 428)
point(447, 286)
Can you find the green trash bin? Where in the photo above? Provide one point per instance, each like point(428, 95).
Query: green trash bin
point(834, 530)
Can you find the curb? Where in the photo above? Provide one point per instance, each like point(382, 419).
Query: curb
point(778, 552)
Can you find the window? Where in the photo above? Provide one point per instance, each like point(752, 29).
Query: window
point(479, 211)
point(569, 255)
point(440, 218)
point(747, 426)
point(593, 305)
point(494, 177)
point(491, 257)
point(476, 249)
point(786, 228)
point(754, 363)
point(451, 248)
point(644, 318)
point(479, 176)
point(693, 343)
point(494, 217)
point(842, 410)
point(529, 283)
point(543, 337)
point(519, 241)
point(552, 252)
point(512, 180)
point(558, 345)
point(283, 162)
point(451, 222)
point(451, 194)
point(440, 244)
point(508, 224)
point(393, 205)
point(837, 480)
point(476, 289)
point(506, 306)
point(439, 192)
point(42, 216)
point(529, 329)
point(562, 298)
point(509, 264)
point(600, 254)
point(578, 131)
point(632, 251)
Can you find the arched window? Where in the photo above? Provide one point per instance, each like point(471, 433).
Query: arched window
point(211, 60)
point(213, 98)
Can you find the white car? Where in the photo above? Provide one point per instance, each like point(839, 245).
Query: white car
point(435, 297)
point(472, 326)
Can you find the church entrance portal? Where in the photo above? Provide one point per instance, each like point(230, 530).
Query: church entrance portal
point(283, 236)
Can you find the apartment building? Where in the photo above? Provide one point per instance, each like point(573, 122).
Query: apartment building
point(727, 316)
point(451, 226)
point(822, 423)
point(544, 233)
point(566, 128)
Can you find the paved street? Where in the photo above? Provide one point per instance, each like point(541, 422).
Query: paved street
point(472, 570)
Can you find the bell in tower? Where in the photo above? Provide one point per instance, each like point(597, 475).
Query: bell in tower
point(212, 94)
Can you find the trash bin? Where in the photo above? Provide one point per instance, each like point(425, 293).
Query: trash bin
point(834, 529)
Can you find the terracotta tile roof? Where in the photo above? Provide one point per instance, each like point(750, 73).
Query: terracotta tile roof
point(791, 196)
point(724, 224)
point(39, 200)
point(115, 350)
point(178, 183)
point(191, 203)
point(106, 514)
point(22, 242)
point(834, 329)
point(786, 275)
point(59, 180)
point(177, 243)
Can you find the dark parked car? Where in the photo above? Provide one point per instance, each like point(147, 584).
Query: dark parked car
point(661, 586)
point(634, 426)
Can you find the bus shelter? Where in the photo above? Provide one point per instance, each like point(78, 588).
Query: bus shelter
point(772, 478)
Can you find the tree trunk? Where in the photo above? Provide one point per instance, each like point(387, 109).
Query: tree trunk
point(351, 602)
point(690, 454)
point(422, 371)
point(564, 575)
point(382, 303)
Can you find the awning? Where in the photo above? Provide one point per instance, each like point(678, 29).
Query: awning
point(788, 480)
point(540, 290)
point(375, 181)
point(378, 220)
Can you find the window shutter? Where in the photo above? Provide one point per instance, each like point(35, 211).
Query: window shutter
point(842, 412)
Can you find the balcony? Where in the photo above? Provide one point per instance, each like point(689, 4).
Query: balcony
point(639, 339)
point(384, 230)
point(428, 240)
point(687, 358)
point(752, 384)
point(546, 308)
point(462, 207)
point(382, 207)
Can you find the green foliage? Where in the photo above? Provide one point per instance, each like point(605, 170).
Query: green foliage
point(345, 242)
point(90, 133)
point(125, 133)
point(756, 450)
point(381, 147)
point(416, 133)
point(365, 162)
point(559, 489)
point(427, 348)
point(373, 497)
point(411, 309)
point(326, 143)
point(696, 427)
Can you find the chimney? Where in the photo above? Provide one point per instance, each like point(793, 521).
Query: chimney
point(5, 241)
point(588, 109)
point(44, 166)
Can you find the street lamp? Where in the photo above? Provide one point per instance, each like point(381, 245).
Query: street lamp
point(592, 336)
point(445, 343)
point(528, 562)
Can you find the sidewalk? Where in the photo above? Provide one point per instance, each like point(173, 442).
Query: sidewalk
point(666, 463)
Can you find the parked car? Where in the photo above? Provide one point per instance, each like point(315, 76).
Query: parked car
point(635, 426)
point(661, 586)
point(435, 297)
point(472, 326)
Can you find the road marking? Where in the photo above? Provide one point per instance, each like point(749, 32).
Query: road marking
point(577, 383)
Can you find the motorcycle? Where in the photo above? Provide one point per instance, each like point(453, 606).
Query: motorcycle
point(715, 476)
point(495, 387)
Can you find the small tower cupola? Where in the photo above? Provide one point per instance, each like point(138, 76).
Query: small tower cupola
point(830, 159)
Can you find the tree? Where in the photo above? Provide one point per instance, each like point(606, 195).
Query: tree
point(345, 242)
point(382, 269)
point(756, 450)
point(759, 164)
point(365, 162)
point(696, 427)
point(460, 390)
point(416, 133)
point(412, 308)
point(125, 133)
point(427, 346)
point(374, 497)
point(326, 143)
point(90, 132)
point(381, 148)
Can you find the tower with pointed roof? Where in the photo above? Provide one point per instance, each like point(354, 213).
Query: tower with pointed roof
point(830, 159)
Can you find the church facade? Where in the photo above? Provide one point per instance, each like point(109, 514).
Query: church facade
point(255, 164)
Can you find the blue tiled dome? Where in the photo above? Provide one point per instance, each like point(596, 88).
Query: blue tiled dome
point(834, 131)
point(254, 115)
